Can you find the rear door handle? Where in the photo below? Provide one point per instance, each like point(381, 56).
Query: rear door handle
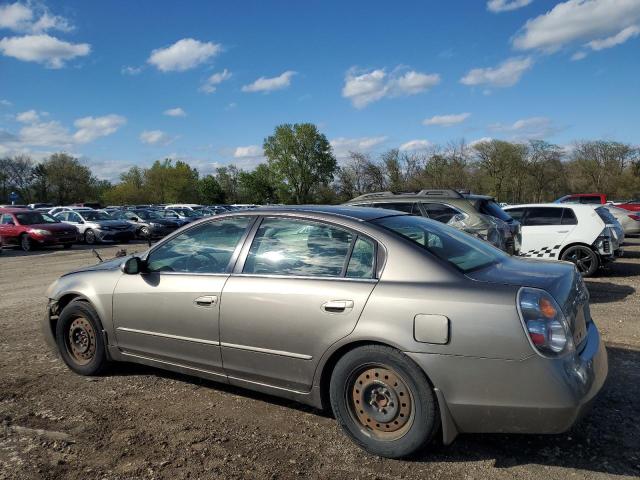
point(562, 231)
point(337, 306)
point(206, 301)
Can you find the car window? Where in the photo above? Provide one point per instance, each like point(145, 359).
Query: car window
point(592, 199)
point(206, 248)
point(440, 212)
point(7, 219)
point(569, 217)
point(284, 246)
point(541, 216)
point(461, 250)
point(362, 261)
point(34, 218)
point(74, 217)
point(407, 207)
point(516, 213)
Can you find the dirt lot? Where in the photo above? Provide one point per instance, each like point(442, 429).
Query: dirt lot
point(138, 422)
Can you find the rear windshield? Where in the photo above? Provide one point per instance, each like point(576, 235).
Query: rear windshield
point(461, 250)
point(491, 208)
point(34, 218)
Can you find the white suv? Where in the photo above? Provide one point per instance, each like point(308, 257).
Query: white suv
point(582, 234)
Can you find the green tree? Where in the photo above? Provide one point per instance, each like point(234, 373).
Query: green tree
point(301, 158)
point(209, 190)
point(69, 180)
point(258, 186)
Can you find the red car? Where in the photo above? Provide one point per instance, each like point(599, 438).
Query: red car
point(28, 229)
point(632, 205)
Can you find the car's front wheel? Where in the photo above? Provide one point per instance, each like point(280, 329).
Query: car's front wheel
point(584, 258)
point(145, 232)
point(383, 401)
point(90, 237)
point(25, 243)
point(79, 339)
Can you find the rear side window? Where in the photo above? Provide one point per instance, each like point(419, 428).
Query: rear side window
point(284, 246)
point(362, 261)
point(541, 216)
point(7, 219)
point(440, 212)
point(406, 207)
point(569, 217)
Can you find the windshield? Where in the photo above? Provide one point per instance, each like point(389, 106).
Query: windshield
point(34, 218)
point(147, 214)
point(461, 250)
point(92, 216)
point(185, 212)
point(489, 207)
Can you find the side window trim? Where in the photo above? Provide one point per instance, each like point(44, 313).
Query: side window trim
point(253, 230)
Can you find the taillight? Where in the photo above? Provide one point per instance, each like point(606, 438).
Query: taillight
point(635, 217)
point(544, 322)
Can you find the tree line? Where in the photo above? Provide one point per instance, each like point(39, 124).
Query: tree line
point(301, 168)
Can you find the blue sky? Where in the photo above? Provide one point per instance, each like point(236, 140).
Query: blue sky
point(125, 83)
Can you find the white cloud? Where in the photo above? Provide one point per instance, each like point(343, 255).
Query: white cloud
point(128, 70)
point(342, 145)
point(45, 134)
point(577, 20)
point(183, 55)
point(363, 88)
point(175, 112)
point(211, 84)
point(5, 103)
point(446, 120)
point(527, 128)
point(264, 84)
point(30, 116)
point(44, 49)
point(506, 74)
point(579, 55)
point(21, 17)
point(497, 6)
point(415, 145)
point(617, 39)
point(91, 128)
point(250, 151)
point(155, 137)
point(480, 140)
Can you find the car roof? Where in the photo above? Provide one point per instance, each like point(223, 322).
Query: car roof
point(347, 211)
point(15, 210)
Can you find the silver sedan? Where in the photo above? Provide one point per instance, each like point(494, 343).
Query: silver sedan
point(406, 328)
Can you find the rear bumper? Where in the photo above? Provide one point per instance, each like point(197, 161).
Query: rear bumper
point(534, 395)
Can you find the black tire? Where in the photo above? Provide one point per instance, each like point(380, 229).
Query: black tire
point(145, 233)
point(79, 338)
point(25, 243)
point(90, 237)
point(584, 258)
point(415, 421)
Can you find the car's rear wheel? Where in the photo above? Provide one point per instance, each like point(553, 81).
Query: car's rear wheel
point(79, 339)
point(90, 237)
point(25, 243)
point(145, 232)
point(383, 401)
point(584, 258)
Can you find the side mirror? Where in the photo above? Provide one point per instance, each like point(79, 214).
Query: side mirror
point(133, 266)
point(81, 221)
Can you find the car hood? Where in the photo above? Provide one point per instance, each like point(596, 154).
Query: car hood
point(54, 227)
point(557, 278)
point(107, 265)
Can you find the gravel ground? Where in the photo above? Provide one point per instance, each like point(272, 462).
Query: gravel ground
point(139, 422)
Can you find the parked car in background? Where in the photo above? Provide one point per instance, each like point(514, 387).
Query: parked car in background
point(478, 215)
point(95, 226)
point(171, 215)
point(56, 210)
point(631, 205)
point(572, 232)
point(183, 206)
point(14, 206)
point(38, 206)
point(28, 229)
point(185, 214)
point(405, 327)
point(590, 198)
point(629, 220)
point(94, 205)
point(150, 224)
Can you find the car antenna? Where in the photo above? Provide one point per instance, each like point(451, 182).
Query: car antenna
point(97, 255)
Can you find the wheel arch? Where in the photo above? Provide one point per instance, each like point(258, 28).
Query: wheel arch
point(575, 244)
point(65, 300)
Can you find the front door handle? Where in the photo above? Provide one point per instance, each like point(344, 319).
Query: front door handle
point(206, 301)
point(337, 306)
point(562, 231)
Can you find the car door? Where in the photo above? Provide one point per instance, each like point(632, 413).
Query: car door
point(544, 232)
point(299, 287)
point(8, 230)
point(170, 312)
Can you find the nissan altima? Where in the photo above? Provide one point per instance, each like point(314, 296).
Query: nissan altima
point(406, 328)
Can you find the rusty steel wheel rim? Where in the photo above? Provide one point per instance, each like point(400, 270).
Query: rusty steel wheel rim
point(380, 402)
point(81, 341)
